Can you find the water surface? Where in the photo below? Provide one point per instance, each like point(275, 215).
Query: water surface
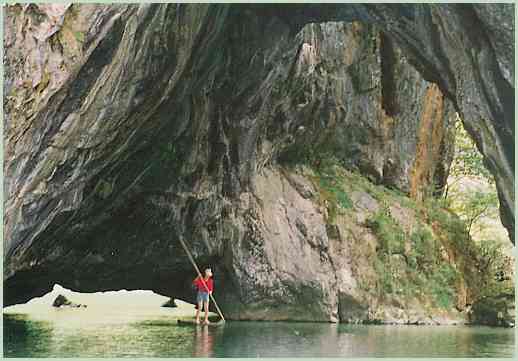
point(91, 333)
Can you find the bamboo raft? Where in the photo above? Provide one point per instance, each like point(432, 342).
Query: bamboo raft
point(193, 323)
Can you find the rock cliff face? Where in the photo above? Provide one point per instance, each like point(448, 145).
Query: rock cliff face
point(128, 127)
point(467, 50)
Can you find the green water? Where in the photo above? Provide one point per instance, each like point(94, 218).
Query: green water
point(66, 334)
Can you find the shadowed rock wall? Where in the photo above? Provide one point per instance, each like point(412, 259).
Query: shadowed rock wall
point(130, 126)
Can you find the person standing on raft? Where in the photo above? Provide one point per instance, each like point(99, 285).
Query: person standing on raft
point(205, 286)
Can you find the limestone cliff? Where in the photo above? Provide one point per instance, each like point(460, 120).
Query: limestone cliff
point(329, 245)
point(130, 126)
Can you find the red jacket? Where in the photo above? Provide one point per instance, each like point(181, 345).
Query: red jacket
point(201, 287)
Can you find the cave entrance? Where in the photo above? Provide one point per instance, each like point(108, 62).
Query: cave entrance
point(472, 194)
point(96, 305)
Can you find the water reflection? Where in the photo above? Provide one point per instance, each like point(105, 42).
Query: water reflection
point(22, 334)
point(203, 342)
point(69, 334)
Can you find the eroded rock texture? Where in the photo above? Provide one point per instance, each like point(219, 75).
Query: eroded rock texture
point(467, 50)
point(129, 126)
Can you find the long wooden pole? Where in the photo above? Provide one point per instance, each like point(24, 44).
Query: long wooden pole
point(201, 277)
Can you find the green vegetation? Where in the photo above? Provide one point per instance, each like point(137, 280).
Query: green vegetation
point(385, 277)
point(423, 250)
point(448, 224)
point(471, 191)
point(471, 194)
point(407, 264)
point(332, 191)
point(494, 301)
point(475, 205)
point(468, 161)
point(432, 261)
point(389, 232)
point(411, 265)
point(442, 284)
point(79, 36)
point(335, 192)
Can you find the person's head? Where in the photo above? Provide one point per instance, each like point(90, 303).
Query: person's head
point(208, 272)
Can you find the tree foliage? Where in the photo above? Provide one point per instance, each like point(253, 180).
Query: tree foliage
point(468, 161)
point(471, 190)
point(476, 205)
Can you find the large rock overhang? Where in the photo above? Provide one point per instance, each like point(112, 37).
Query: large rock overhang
point(475, 71)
